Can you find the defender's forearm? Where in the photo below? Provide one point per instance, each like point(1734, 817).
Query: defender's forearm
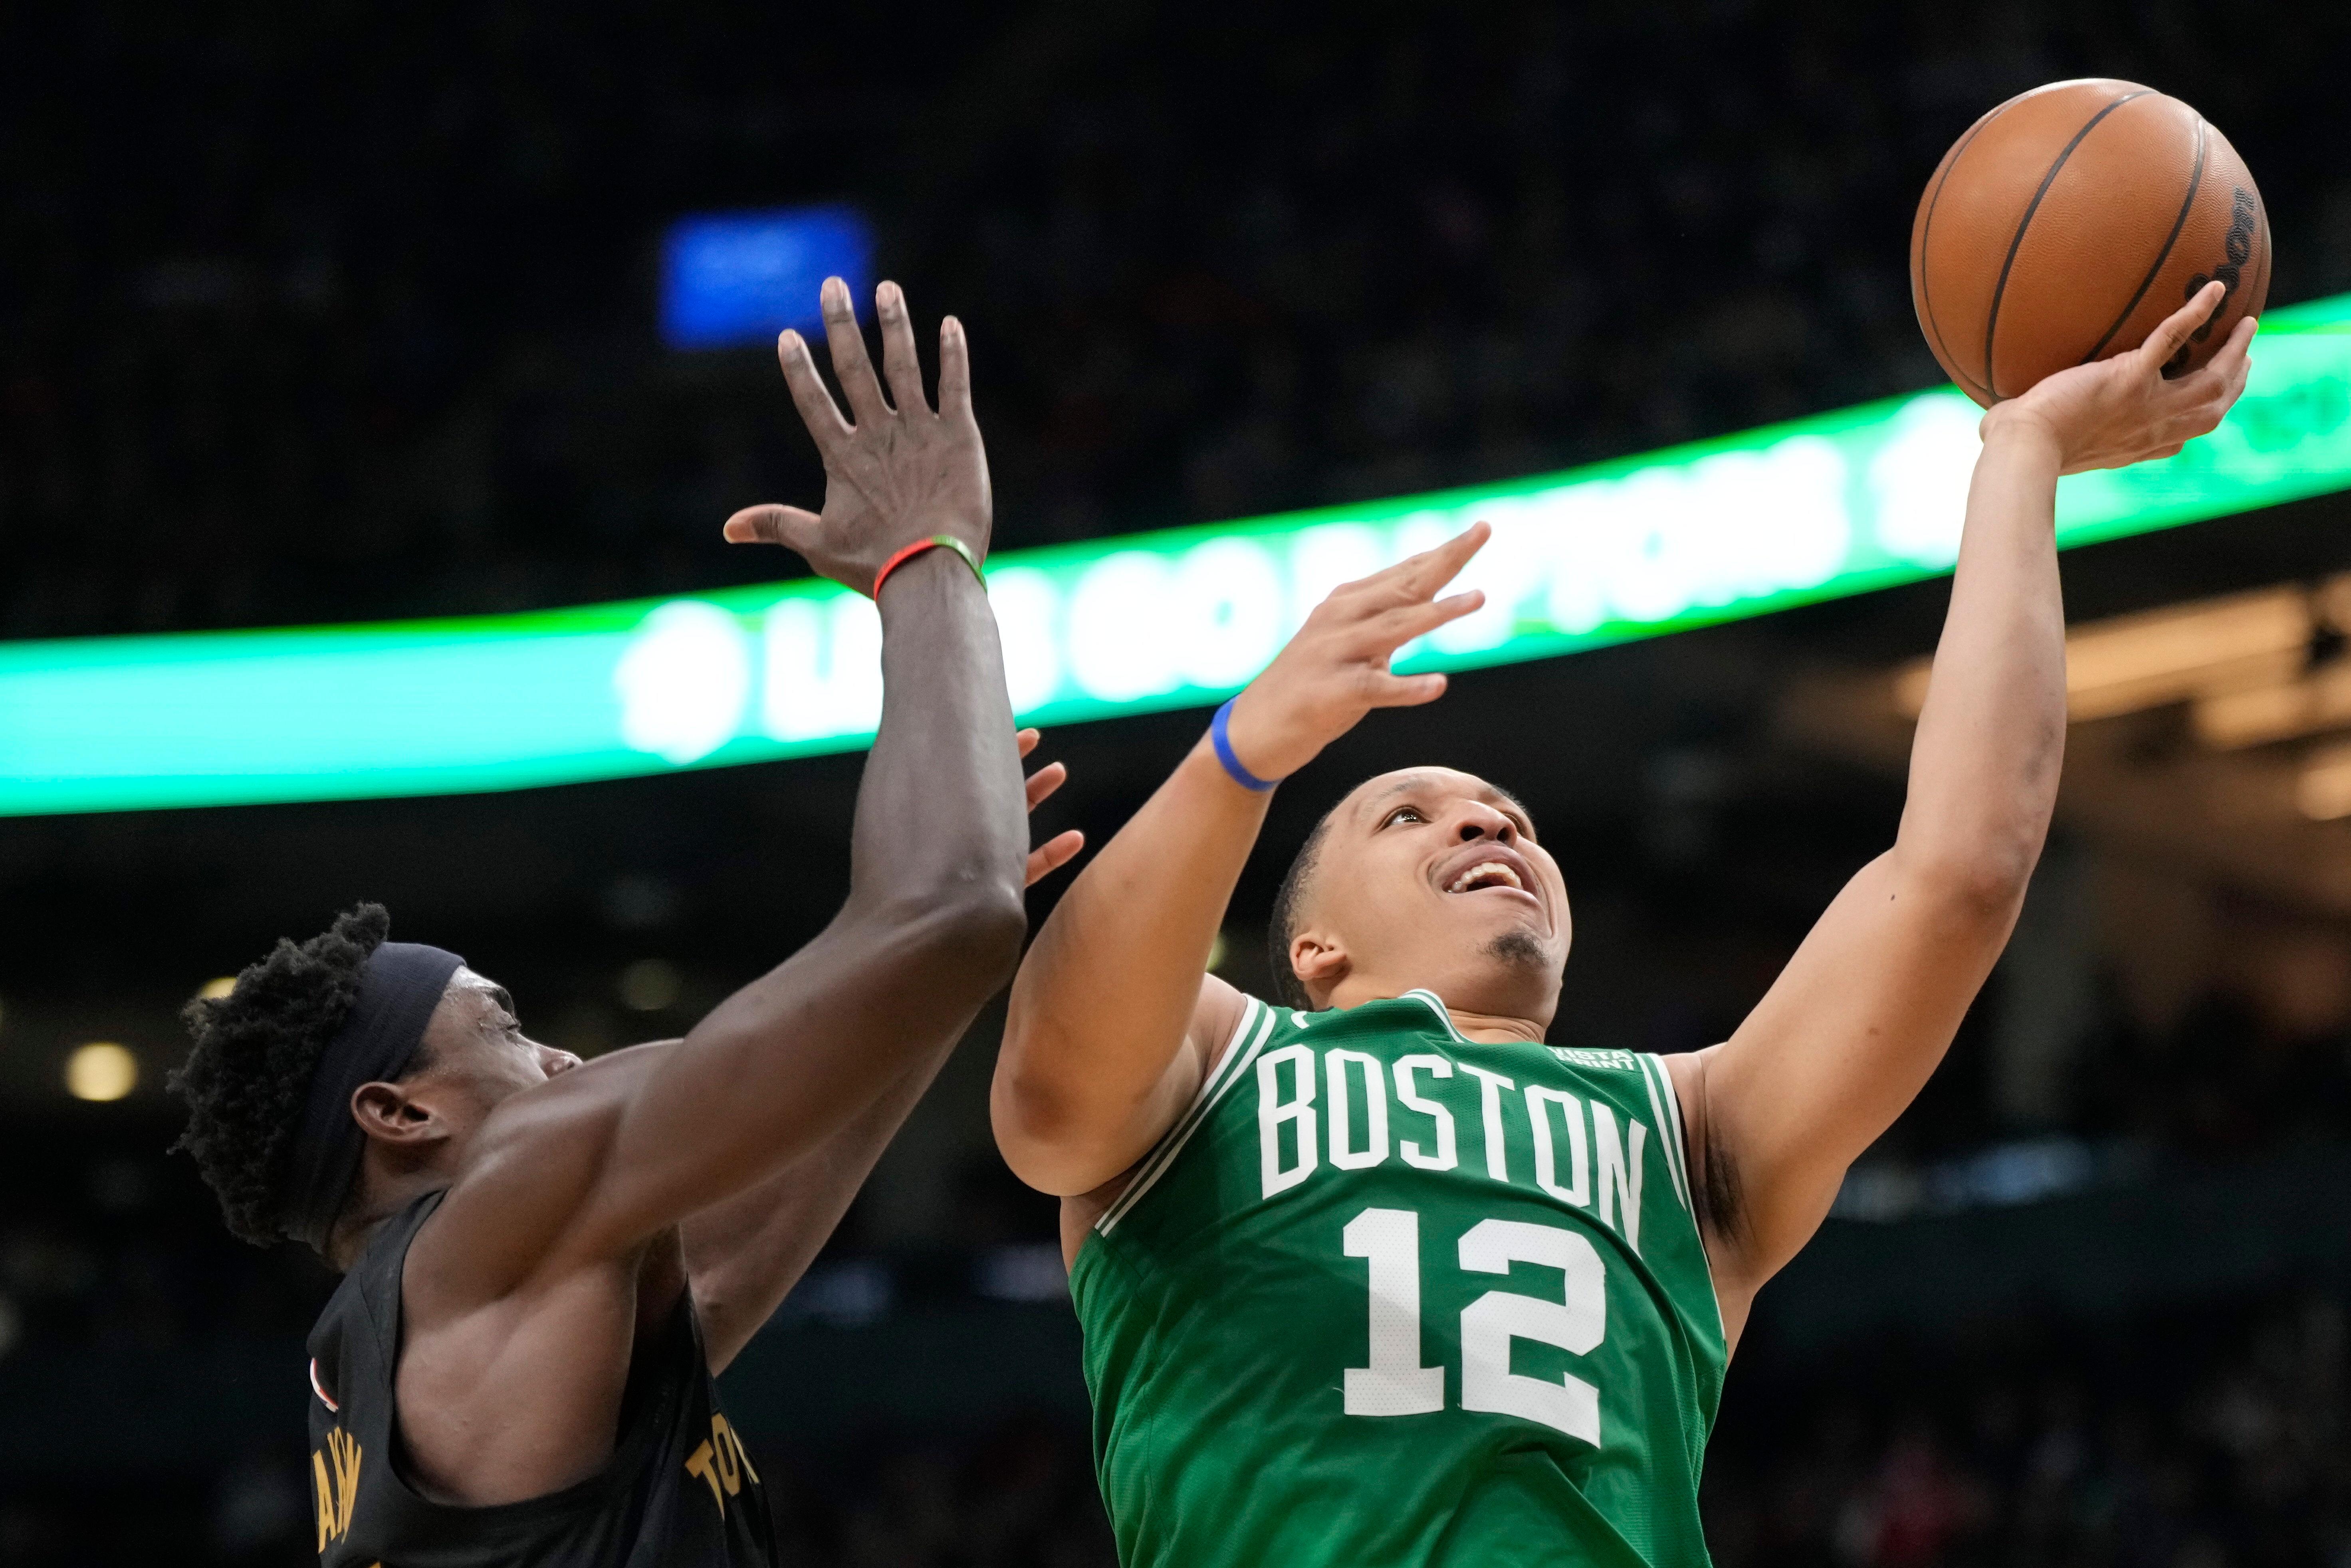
point(932, 928)
point(940, 812)
point(1991, 737)
point(1104, 1000)
point(744, 1254)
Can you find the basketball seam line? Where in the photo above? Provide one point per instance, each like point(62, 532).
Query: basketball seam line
point(1926, 233)
point(2263, 236)
point(2195, 184)
point(1991, 323)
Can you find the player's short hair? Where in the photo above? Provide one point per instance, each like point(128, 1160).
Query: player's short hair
point(257, 1049)
point(1282, 926)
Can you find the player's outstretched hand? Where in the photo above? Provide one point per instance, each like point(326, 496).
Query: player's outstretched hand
point(2123, 410)
point(1335, 670)
point(897, 475)
point(1056, 852)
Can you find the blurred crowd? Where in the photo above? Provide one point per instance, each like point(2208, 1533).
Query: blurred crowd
point(2188, 1439)
point(345, 315)
point(2207, 1439)
point(2092, 1446)
point(2097, 1446)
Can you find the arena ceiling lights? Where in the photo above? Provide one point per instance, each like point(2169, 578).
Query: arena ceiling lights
point(1838, 504)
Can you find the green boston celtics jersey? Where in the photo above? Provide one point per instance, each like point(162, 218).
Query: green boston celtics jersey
point(1387, 1296)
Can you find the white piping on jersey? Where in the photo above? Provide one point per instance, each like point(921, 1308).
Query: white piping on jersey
point(1217, 1085)
point(1652, 1070)
point(1436, 1004)
point(1681, 1133)
point(1230, 1055)
point(319, 1389)
point(1682, 1155)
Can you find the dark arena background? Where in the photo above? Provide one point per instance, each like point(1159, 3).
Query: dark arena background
point(324, 314)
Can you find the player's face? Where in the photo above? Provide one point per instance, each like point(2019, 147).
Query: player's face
point(1430, 877)
point(475, 1047)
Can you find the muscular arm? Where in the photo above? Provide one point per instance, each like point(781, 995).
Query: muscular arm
point(743, 1253)
point(1112, 1018)
point(1113, 1012)
point(592, 1164)
point(1853, 1028)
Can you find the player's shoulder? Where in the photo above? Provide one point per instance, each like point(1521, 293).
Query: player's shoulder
point(1217, 1016)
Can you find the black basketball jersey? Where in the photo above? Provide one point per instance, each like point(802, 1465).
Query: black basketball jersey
point(678, 1492)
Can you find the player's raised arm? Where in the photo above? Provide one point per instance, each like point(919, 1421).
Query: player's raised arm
point(1864, 1013)
point(1113, 1016)
point(597, 1162)
point(745, 1253)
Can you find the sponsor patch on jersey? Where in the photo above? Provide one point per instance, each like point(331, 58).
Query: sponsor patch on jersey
point(1577, 1056)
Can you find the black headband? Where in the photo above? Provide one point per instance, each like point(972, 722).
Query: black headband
point(399, 986)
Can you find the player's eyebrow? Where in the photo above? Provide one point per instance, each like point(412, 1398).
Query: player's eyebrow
point(1411, 781)
point(505, 999)
point(1420, 781)
point(1496, 792)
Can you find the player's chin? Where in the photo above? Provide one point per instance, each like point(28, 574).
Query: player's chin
point(1520, 946)
point(1513, 934)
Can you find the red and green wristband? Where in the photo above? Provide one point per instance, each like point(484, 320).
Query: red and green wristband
point(936, 541)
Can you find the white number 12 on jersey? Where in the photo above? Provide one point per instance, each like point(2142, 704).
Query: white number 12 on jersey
point(1395, 1383)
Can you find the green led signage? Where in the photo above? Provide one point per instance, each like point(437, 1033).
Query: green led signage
point(1834, 505)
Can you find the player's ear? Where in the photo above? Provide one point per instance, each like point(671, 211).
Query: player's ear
point(388, 1113)
point(1318, 961)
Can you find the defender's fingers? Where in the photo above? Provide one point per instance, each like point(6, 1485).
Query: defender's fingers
point(1053, 854)
point(1406, 691)
point(900, 363)
point(769, 525)
point(1026, 740)
point(1044, 781)
point(954, 372)
point(818, 411)
point(851, 367)
point(2172, 335)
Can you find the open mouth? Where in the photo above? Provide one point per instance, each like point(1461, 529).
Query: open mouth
point(1485, 875)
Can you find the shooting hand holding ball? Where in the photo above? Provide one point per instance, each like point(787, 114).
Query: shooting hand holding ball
point(2114, 413)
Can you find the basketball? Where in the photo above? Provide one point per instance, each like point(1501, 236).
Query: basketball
point(2070, 221)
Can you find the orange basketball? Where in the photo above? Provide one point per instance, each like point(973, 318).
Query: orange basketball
point(2070, 221)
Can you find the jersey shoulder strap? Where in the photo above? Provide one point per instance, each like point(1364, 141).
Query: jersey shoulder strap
point(1259, 1022)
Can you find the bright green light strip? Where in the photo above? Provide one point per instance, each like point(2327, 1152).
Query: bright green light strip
point(1834, 505)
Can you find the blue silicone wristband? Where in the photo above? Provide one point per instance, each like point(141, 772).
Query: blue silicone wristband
point(1224, 745)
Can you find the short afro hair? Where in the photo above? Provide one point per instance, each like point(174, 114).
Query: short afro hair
point(1282, 926)
point(257, 1049)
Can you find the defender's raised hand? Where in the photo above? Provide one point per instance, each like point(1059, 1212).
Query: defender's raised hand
point(1056, 852)
point(1335, 670)
point(899, 474)
point(2125, 409)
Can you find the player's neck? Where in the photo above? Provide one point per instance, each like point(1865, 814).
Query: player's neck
point(1495, 1028)
point(382, 1195)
